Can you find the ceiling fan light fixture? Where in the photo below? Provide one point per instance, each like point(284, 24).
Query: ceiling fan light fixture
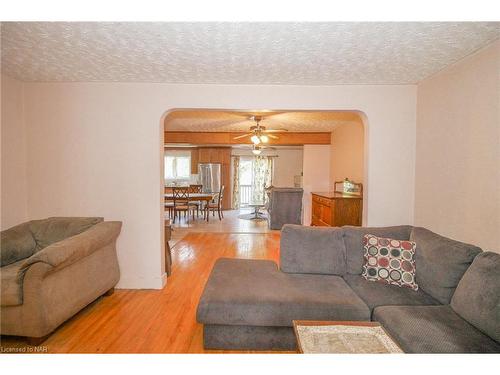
point(256, 150)
point(255, 139)
point(258, 134)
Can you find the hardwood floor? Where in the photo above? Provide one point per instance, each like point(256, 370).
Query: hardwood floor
point(157, 321)
point(231, 223)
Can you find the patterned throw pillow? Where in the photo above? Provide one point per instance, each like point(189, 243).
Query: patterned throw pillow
point(389, 261)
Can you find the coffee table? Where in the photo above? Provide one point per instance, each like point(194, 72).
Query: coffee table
point(343, 337)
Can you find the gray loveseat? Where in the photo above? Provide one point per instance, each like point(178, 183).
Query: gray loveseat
point(51, 269)
point(250, 304)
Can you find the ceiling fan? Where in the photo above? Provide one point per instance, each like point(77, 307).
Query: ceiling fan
point(257, 149)
point(258, 133)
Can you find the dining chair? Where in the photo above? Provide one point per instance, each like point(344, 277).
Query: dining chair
point(215, 205)
point(168, 204)
point(169, 207)
point(181, 201)
point(196, 189)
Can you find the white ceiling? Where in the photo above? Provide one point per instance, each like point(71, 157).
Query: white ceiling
point(238, 53)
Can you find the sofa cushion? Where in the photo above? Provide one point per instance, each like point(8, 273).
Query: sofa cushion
point(389, 261)
point(55, 229)
point(433, 329)
point(16, 243)
point(312, 250)
point(255, 293)
point(477, 298)
point(441, 263)
point(353, 239)
point(12, 284)
point(376, 294)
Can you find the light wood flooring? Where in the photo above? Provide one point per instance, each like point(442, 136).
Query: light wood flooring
point(157, 321)
point(231, 223)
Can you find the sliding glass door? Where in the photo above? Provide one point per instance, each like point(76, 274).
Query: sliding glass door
point(255, 174)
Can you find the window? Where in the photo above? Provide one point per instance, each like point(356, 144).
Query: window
point(177, 165)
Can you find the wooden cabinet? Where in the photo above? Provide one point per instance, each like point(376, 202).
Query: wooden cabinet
point(336, 209)
point(194, 161)
point(204, 154)
point(216, 155)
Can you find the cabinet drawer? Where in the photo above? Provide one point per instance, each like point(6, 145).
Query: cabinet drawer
point(322, 200)
point(316, 221)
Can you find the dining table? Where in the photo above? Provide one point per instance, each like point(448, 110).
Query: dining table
point(193, 196)
point(207, 197)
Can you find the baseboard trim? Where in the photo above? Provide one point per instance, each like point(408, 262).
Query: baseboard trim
point(138, 282)
point(164, 279)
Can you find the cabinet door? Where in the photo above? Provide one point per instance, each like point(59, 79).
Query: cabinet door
point(216, 155)
point(326, 215)
point(194, 160)
point(316, 213)
point(226, 156)
point(204, 155)
point(348, 212)
point(320, 212)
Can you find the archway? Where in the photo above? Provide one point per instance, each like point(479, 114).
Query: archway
point(212, 122)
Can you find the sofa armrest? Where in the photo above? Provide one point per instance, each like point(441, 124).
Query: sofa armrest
point(312, 250)
point(72, 249)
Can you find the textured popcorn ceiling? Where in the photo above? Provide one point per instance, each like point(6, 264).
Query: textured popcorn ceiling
point(238, 53)
point(235, 121)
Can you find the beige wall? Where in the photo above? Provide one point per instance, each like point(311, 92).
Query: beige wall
point(13, 150)
point(347, 153)
point(458, 150)
point(316, 177)
point(287, 165)
point(96, 149)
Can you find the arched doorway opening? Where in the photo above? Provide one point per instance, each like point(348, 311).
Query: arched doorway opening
point(342, 154)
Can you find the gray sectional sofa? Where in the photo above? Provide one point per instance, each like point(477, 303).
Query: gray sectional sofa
point(250, 304)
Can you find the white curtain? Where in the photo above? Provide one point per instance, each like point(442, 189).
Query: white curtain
point(262, 177)
point(236, 182)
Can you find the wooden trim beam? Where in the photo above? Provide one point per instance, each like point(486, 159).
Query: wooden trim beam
point(226, 138)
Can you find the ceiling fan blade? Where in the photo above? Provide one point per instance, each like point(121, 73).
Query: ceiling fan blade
point(243, 136)
point(268, 147)
point(272, 136)
point(275, 130)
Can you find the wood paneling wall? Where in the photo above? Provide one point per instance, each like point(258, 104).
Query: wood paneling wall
point(220, 138)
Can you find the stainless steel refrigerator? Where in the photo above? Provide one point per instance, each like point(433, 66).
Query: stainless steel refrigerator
point(209, 175)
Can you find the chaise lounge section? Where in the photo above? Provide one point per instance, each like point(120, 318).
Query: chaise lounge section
point(250, 304)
